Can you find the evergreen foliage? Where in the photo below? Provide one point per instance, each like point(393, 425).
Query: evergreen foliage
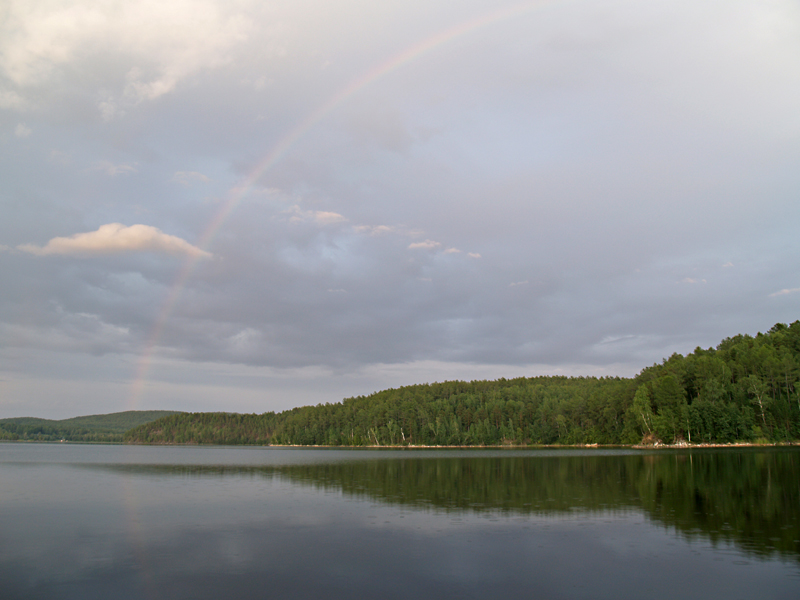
point(744, 390)
point(92, 428)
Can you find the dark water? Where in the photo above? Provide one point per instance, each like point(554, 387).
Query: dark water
point(150, 522)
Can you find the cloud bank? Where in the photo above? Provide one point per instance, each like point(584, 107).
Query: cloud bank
point(385, 186)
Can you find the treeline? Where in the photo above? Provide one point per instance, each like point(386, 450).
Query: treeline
point(229, 429)
point(745, 389)
point(92, 428)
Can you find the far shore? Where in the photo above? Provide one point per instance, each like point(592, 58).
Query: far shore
point(679, 446)
point(656, 446)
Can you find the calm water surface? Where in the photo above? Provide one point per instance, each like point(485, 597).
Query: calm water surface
point(82, 521)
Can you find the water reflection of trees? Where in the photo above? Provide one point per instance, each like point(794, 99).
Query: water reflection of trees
point(749, 497)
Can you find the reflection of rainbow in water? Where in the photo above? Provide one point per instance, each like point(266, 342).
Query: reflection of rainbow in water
point(279, 150)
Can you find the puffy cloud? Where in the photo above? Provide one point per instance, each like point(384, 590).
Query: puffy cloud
point(326, 218)
point(373, 229)
point(116, 238)
point(154, 44)
point(426, 245)
point(320, 217)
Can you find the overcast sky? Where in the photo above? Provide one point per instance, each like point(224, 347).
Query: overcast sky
point(250, 205)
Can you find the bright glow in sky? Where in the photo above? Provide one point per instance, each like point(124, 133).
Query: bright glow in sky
point(251, 205)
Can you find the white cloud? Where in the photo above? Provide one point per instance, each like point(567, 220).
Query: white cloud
point(320, 217)
point(22, 131)
point(373, 229)
point(187, 177)
point(116, 238)
point(473, 255)
point(426, 245)
point(516, 283)
point(154, 44)
point(784, 292)
point(452, 251)
point(326, 218)
point(727, 264)
point(692, 280)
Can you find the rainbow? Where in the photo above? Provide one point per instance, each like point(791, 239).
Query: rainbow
point(279, 150)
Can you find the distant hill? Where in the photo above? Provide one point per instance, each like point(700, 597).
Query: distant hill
point(91, 428)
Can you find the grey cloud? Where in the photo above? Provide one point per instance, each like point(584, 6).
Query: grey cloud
point(536, 194)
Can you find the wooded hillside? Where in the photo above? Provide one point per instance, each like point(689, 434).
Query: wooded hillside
point(745, 389)
point(92, 428)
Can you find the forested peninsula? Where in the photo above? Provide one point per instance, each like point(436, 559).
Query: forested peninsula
point(744, 390)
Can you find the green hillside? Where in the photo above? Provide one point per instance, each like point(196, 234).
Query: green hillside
point(91, 428)
point(746, 389)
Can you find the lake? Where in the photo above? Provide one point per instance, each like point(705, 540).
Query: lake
point(106, 521)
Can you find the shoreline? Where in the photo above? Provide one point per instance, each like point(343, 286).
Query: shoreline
point(658, 446)
point(682, 446)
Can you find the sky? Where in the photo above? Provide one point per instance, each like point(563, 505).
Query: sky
point(251, 205)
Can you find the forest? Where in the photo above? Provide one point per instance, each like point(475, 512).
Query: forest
point(91, 428)
point(744, 390)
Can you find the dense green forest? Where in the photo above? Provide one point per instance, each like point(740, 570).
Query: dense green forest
point(92, 428)
point(745, 389)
